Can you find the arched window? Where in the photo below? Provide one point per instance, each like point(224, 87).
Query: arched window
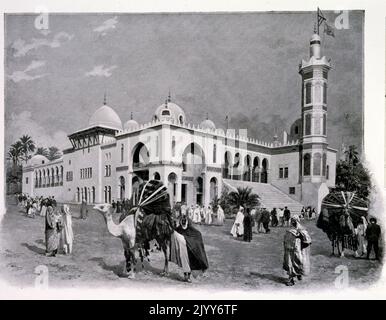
point(181, 119)
point(214, 153)
point(61, 174)
point(109, 193)
point(317, 164)
point(173, 146)
point(122, 152)
point(93, 194)
point(157, 176)
point(77, 195)
point(307, 124)
point(307, 164)
point(165, 112)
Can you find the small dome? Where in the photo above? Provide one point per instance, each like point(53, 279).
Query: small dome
point(106, 116)
point(208, 124)
point(38, 159)
point(171, 112)
point(130, 125)
point(315, 37)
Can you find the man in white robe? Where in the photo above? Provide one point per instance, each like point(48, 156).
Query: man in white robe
point(238, 226)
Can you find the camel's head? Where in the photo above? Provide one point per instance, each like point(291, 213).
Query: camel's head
point(104, 208)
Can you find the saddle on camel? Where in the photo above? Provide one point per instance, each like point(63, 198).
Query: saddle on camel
point(341, 212)
point(151, 219)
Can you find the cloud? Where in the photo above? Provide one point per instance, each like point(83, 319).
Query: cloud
point(22, 47)
point(18, 76)
point(100, 71)
point(22, 123)
point(106, 25)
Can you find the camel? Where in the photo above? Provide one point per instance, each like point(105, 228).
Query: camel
point(126, 231)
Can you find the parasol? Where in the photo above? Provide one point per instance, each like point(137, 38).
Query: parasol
point(342, 202)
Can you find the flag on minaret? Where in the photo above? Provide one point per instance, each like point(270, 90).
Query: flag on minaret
point(327, 28)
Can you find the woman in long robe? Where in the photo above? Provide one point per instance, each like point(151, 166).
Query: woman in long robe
point(296, 251)
point(220, 215)
point(238, 226)
point(196, 215)
point(43, 208)
point(208, 215)
point(51, 232)
point(67, 235)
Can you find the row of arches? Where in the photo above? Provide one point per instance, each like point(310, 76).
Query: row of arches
point(49, 177)
point(245, 169)
point(85, 193)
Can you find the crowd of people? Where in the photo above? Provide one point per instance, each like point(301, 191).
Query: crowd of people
point(58, 222)
point(201, 214)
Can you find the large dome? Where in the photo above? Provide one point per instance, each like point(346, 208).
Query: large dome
point(170, 111)
point(105, 116)
point(38, 159)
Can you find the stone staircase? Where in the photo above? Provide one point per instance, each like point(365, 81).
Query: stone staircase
point(270, 196)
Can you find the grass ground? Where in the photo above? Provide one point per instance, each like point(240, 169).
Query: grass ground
point(97, 260)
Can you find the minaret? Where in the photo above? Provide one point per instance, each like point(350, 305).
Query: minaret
point(314, 72)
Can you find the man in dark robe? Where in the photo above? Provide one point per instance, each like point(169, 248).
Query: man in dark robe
point(247, 236)
point(373, 233)
point(265, 219)
point(194, 244)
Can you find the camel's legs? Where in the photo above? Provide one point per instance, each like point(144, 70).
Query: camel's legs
point(164, 247)
point(130, 262)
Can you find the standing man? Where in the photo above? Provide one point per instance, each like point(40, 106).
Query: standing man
point(373, 233)
point(287, 216)
point(83, 210)
point(265, 219)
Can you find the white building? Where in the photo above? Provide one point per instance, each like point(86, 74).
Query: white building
point(107, 159)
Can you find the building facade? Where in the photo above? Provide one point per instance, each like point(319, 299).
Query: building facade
point(109, 160)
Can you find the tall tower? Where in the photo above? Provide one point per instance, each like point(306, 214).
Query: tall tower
point(314, 73)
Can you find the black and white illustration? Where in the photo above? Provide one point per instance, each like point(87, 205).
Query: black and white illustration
point(187, 150)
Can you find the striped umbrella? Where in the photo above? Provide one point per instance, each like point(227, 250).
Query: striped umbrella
point(340, 202)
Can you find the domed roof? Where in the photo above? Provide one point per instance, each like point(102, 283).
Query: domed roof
point(106, 116)
point(208, 124)
point(38, 159)
point(315, 37)
point(170, 111)
point(130, 125)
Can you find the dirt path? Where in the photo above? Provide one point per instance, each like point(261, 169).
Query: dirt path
point(97, 260)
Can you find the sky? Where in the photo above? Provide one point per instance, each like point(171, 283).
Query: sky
point(244, 65)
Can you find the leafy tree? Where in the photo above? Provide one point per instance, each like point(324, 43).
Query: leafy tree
point(53, 153)
point(28, 146)
point(352, 175)
point(42, 151)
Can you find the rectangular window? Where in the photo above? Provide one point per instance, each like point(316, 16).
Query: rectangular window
point(308, 124)
point(281, 175)
point(292, 190)
point(214, 153)
point(325, 75)
point(26, 180)
point(327, 172)
point(286, 173)
point(325, 93)
point(308, 93)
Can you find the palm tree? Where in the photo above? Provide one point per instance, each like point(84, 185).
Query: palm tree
point(53, 153)
point(42, 151)
point(15, 153)
point(27, 146)
point(243, 197)
point(352, 155)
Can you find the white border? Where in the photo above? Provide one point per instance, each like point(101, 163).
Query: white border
point(374, 120)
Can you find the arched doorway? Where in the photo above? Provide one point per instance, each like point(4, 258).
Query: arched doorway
point(226, 172)
point(157, 176)
point(172, 187)
point(264, 171)
point(141, 159)
point(236, 167)
point(121, 187)
point(77, 194)
point(199, 190)
point(85, 194)
point(247, 168)
point(256, 170)
point(213, 189)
